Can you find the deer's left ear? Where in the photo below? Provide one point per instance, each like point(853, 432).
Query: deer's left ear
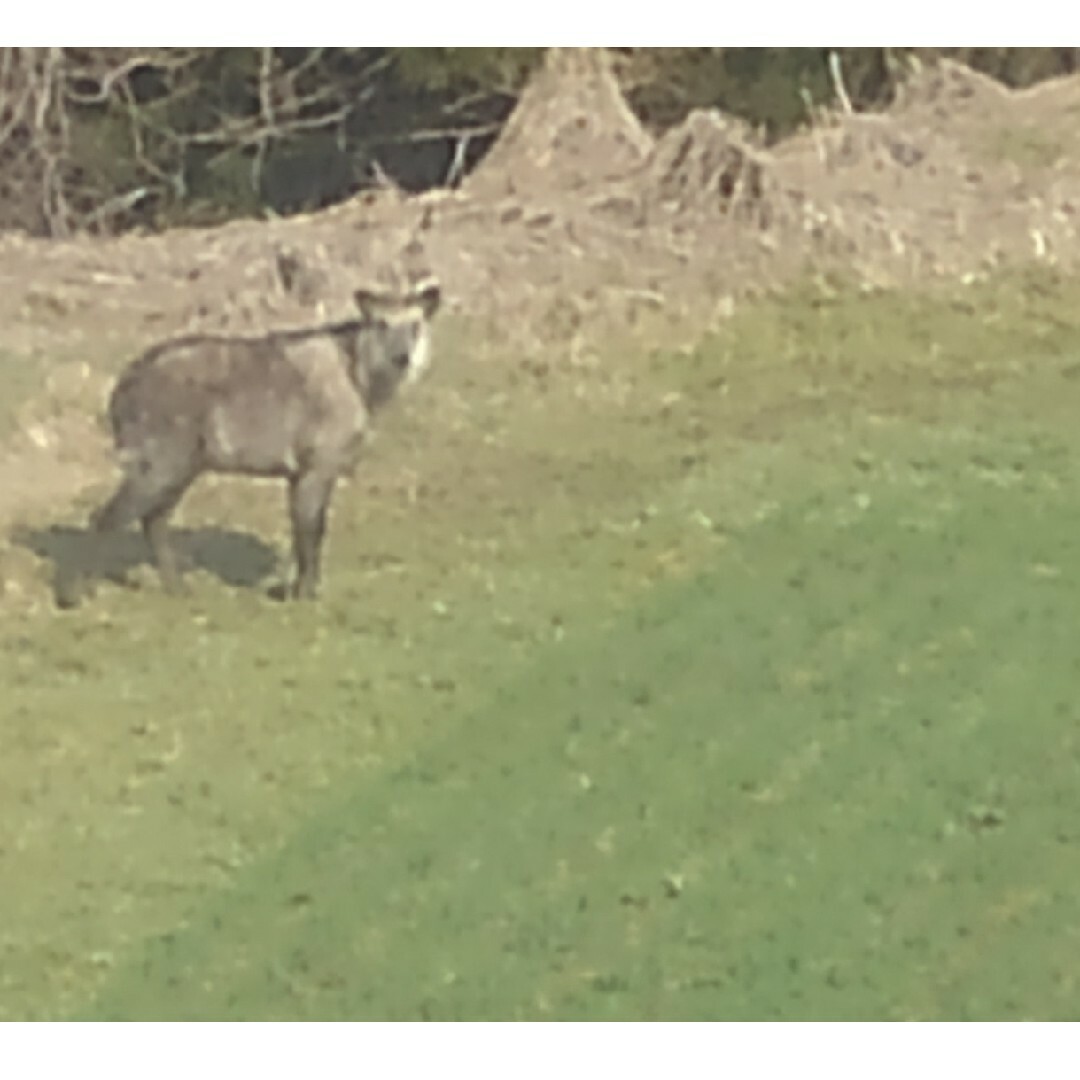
point(372, 305)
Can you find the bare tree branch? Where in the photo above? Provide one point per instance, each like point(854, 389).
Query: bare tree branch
point(102, 139)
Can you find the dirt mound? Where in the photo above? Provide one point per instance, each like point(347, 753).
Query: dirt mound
point(708, 165)
point(878, 143)
point(887, 157)
point(571, 130)
point(946, 88)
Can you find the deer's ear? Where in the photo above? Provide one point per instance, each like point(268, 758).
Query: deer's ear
point(429, 297)
point(372, 305)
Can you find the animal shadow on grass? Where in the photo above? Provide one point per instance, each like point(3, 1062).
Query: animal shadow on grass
point(81, 556)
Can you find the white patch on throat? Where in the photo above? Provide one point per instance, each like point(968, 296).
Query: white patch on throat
point(421, 355)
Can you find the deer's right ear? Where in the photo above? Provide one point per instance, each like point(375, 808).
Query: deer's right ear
point(429, 296)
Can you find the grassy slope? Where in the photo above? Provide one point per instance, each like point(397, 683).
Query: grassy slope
point(755, 703)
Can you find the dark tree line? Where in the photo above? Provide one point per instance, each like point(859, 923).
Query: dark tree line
point(106, 140)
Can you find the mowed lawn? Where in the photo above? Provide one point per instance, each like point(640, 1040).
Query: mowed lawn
point(749, 693)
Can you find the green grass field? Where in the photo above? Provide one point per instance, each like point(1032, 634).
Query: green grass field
point(742, 686)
